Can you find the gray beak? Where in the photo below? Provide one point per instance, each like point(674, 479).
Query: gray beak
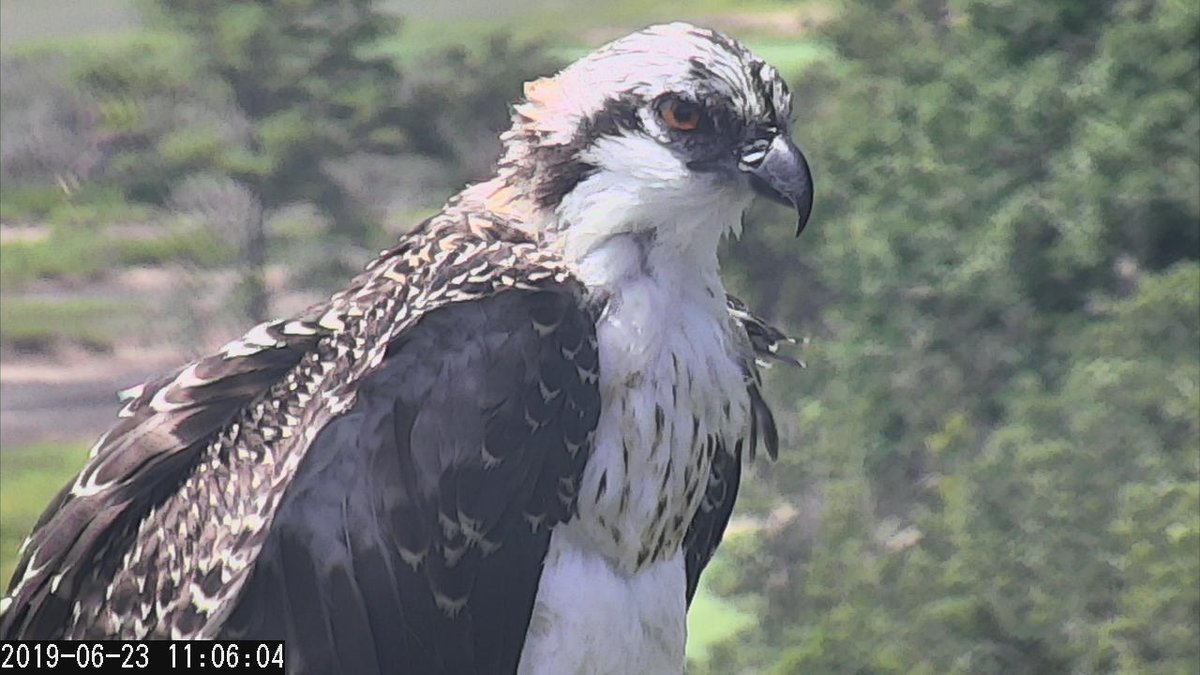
point(778, 170)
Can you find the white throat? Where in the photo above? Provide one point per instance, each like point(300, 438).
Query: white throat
point(644, 213)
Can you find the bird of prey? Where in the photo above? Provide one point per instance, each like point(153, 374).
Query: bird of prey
point(511, 444)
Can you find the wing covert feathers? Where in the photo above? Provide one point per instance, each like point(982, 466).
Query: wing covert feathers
point(156, 535)
point(469, 441)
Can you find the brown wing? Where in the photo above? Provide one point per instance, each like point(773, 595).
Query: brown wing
point(413, 534)
point(157, 441)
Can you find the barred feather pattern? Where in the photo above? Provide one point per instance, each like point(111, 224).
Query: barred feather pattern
point(122, 553)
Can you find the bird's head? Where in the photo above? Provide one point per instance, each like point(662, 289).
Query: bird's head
point(671, 126)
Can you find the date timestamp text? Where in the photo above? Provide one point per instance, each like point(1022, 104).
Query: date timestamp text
point(123, 656)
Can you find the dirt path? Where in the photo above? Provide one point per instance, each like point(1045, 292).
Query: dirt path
point(72, 398)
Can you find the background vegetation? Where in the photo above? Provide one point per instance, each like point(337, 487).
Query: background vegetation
point(992, 462)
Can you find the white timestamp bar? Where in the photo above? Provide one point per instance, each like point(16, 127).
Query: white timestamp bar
point(123, 656)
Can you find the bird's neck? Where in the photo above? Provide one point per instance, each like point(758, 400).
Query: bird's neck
point(611, 235)
point(501, 195)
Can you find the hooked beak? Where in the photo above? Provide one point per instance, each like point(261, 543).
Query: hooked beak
point(778, 170)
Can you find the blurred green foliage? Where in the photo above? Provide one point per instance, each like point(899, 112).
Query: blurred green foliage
point(710, 621)
point(1000, 427)
point(275, 96)
point(39, 325)
point(995, 451)
point(29, 477)
point(76, 252)
point(286, 82)
point(84, 205)
point(265, 93)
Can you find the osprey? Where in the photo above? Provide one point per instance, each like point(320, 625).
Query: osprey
point(510, 445)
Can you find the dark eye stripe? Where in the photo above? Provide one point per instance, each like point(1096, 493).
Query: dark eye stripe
point(554, 170)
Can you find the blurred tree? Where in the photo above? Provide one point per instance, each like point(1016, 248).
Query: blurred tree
point(996, 446)
point(282, 88)
point(458, 95)
point(1077, 525)
point(275, 94)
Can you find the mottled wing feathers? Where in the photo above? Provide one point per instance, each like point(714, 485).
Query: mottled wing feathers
point(162, 528)
point(464, 447)
point(760, 350)
point(765, 339)
point(761, 346)
point(162, 429)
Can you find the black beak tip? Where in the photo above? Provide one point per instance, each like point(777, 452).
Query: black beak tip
point(804, 209)
point(783, 176)
point(803, 198)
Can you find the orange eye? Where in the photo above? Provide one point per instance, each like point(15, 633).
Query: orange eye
point(679, 114)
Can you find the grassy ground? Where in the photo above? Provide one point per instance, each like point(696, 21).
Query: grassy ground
point(82, 254)
point(711, 620)
point(770, 27)
point(29, 477)
point(38, 325)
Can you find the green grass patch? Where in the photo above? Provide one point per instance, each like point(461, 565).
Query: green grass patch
point(570, 30)
point(89, 204)
point(35, 325)
point(790, 56)
point(29, 203)
point(84, 253)
point(76, 255)
point(635, 14)
point(712, 619)
point(32, 24)
point(196, 248)
point(29, 477)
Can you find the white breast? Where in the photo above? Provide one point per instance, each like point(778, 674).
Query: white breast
point(592, 619)
point(672, 394)
point(612, 593)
